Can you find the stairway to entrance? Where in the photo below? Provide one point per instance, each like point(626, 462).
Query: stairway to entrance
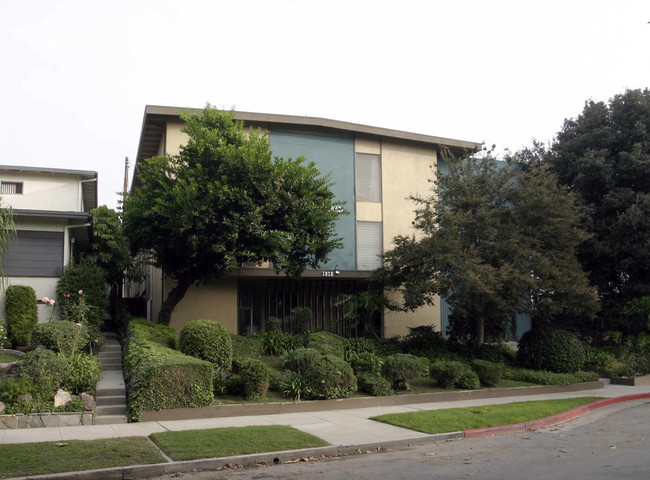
point(111, 393)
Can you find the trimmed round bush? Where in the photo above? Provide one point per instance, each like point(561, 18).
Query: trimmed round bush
point(468, 381)
point(447, 373)
point(22, 314)
point(366, 362)
point(300, 359)
point(330, 376)
point(400, 368)
point(327, 343)
point(208, 341)
point(374, 384)
point(553, 350)
point(489, 373)
point(255, 377)
point(61, 336)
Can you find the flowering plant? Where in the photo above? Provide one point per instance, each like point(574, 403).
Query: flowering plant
point(50, 302)
point(3, 335)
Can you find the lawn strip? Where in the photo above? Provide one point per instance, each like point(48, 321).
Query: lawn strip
point(224, 442)
point(26, 459)
point(458, 419)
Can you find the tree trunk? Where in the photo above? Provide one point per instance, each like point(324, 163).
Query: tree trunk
point(480, 331)
point(173, 298)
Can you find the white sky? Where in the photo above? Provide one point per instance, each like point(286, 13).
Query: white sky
point(75, 76)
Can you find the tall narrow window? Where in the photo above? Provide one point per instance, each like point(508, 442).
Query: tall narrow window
point(11, 188)
point(369, 245)
point(368, 177)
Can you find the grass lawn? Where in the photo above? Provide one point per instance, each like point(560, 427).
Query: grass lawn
point(18, 460)
point(223, 442)
point(458, 419)
point(8, 357)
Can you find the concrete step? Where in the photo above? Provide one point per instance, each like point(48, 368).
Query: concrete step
point(106, 400)
point(109, 419)
point(110, 410)
point(110, 391)
point(110, 361)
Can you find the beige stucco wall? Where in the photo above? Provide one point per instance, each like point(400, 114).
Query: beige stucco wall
point(216, 300)
point(174, 138)
point(44, 192)
point(406, 170)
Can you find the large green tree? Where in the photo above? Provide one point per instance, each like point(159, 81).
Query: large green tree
point(494, 239)
point(603, 156)
point(223, 200)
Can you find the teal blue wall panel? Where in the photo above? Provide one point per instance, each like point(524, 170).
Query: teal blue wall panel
point(333, 155)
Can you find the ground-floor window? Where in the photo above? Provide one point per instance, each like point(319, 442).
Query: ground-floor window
point(261, 299)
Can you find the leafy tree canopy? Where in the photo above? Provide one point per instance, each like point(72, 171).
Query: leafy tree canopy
point(603, 156)
point(494, 239)
point(224, 200)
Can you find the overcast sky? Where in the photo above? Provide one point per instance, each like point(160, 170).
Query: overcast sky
point(75, 76)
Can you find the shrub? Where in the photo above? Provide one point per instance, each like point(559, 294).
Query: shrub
point(235, 386)
point(22, 314)
point(12, 387)
point(161, 334)
point(246, 346)
point(554, 350)
point(468, 381)
point(208, 341)
point(489, 373)
point(273, 323)
point(300, 359)
point(541, 377)
point(374, 384)
point(330, 376)
point(84, 374)
point(600, 361)
point(255, 377)
point(400, 368)
point(496, 353)
point(326, 343)
point(90, 279)
point(300, 320)
point(158, 378)
point(447, 373)
point(355, 346)
point(48, 370)
point(61, 336)
point(295, 386)
point(366, 362)
point(424, 341)
point(277, 342)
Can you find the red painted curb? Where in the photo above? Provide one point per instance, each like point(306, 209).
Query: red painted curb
point(548, 421)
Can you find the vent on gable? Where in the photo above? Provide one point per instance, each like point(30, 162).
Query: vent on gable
point(11, 188)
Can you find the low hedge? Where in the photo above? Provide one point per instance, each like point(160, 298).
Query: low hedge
point(374, 384)
point(255, 377)
point(146, 330)
point(330, 376)
point(541, 377)
point(158, 378)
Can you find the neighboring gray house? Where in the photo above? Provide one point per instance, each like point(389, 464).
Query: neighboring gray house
point(51, 209)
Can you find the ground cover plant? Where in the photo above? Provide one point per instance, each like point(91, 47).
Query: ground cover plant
point(222, 442)
point(8, 357)
point(459, 419)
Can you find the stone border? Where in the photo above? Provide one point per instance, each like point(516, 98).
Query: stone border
point(47, 419)
point(215, 411)
point(12, 352)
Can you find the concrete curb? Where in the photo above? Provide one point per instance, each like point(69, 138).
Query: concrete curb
point(268, 458)
point(555, 419)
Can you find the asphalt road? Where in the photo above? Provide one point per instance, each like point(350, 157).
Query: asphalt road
point(610, 444)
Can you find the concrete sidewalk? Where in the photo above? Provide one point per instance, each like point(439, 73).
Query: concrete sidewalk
point(347, 427)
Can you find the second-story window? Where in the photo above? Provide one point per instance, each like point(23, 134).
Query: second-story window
point(11, 188)
point(368, 177)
